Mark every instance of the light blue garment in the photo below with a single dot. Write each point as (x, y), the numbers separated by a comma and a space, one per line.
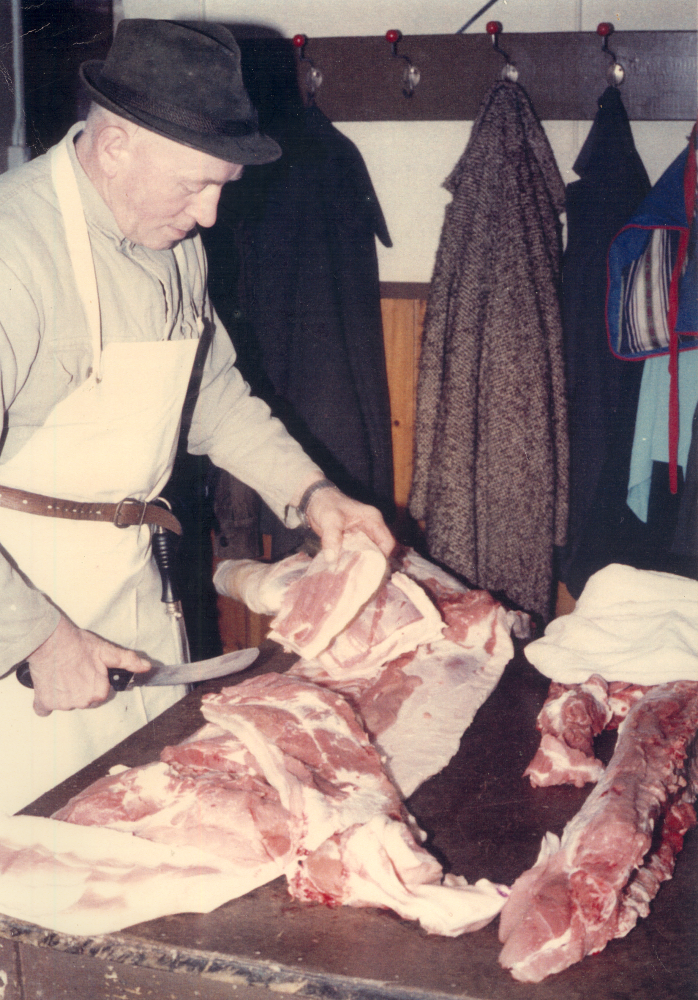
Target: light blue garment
(651, 441)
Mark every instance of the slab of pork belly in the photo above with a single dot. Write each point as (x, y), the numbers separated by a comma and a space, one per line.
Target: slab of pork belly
(397, 619)
(417, 706)
(592, 884)
(354, 843)
(207, 793)
(328, 596)
(311, 749)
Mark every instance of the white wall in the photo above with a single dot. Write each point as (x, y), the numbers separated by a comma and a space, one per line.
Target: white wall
(408, 161)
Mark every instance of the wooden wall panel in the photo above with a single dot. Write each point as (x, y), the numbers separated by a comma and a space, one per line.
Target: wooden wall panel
(402, 330)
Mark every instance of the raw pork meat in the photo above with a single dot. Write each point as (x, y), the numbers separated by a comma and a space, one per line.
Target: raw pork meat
(416, 663)
(379, 864)
(440, 585)
(328, 596)
(311, 749)
(230, 810)
(570, 718)
(592, 884)
(397, 619)
(355, 844)
(416, 708)
(283, 778)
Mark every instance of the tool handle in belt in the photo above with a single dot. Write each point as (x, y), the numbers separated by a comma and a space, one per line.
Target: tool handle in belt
(164, 557)
(124, 514)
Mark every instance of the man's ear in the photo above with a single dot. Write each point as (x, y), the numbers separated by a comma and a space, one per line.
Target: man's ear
(113, 147)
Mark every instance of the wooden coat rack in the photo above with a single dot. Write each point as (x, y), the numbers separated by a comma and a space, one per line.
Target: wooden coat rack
(562, 72)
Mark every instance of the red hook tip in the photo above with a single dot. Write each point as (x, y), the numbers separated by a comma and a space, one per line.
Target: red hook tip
(393, 36)
(604, 29)
(299, 41)
(494, 28)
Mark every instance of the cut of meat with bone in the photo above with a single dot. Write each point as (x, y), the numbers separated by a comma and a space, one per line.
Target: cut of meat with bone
(590, 886)
(573, 714)
(328, 596)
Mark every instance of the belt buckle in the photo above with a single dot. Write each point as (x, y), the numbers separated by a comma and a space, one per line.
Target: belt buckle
(129, 500)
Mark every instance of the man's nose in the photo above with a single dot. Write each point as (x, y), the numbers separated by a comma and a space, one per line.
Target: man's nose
(204, 208)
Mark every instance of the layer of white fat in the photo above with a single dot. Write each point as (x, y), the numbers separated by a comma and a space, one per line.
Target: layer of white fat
(421, 569)
(380, 864)
(431, 721)
(318, 816)
(519, 969)
(427, 627)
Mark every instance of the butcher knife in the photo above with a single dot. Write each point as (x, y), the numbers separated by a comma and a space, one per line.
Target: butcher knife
(178, 673)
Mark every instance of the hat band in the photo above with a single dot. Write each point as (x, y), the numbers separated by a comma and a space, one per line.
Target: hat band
(203, 124)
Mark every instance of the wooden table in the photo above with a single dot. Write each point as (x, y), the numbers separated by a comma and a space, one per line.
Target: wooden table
(482, 818)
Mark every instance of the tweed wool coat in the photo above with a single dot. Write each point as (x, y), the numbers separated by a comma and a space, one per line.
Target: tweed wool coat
(491, 446)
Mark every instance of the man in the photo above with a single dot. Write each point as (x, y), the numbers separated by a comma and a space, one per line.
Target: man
(103, 308)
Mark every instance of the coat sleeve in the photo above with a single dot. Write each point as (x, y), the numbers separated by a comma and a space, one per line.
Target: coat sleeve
(26, 617)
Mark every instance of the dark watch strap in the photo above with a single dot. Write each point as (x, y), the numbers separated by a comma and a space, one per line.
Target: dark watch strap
(302, 508)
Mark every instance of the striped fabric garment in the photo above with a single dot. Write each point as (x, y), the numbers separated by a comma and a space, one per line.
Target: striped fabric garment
(645, 295)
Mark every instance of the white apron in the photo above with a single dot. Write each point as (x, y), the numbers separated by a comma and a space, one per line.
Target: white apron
(114, 437)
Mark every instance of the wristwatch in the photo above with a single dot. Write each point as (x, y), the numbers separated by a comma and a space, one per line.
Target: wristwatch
(320, 484)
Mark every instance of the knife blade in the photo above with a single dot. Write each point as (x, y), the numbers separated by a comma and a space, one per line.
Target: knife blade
(174, 673)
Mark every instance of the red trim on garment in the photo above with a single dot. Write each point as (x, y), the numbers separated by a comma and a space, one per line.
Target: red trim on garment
(689, 193)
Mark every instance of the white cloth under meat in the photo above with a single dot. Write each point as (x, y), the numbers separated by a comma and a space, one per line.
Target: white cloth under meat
(629, 625)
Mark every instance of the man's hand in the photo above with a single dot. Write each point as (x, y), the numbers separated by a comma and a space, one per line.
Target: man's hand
(69, 669)
(331, 513)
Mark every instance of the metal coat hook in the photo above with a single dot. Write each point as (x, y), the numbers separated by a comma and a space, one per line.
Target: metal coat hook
(313, 76)
(615, 74)
(411, 76)
(509, 70)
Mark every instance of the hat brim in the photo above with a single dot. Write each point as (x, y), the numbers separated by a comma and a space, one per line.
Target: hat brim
(246, 150)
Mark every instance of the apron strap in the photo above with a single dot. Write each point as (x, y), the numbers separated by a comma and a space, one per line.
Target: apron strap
(79, 249)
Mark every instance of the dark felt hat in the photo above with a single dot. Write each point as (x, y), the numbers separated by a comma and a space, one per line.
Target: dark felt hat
(181, 79)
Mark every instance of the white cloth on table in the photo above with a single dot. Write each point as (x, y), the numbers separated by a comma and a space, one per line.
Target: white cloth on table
(630, 625)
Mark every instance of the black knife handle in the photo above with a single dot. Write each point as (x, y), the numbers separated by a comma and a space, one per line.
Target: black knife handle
(119, 679)
(164, 557)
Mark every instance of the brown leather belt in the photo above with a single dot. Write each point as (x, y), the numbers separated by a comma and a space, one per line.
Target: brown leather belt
(125, 513)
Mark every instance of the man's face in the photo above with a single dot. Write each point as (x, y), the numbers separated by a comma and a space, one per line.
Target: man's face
(163, 189)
